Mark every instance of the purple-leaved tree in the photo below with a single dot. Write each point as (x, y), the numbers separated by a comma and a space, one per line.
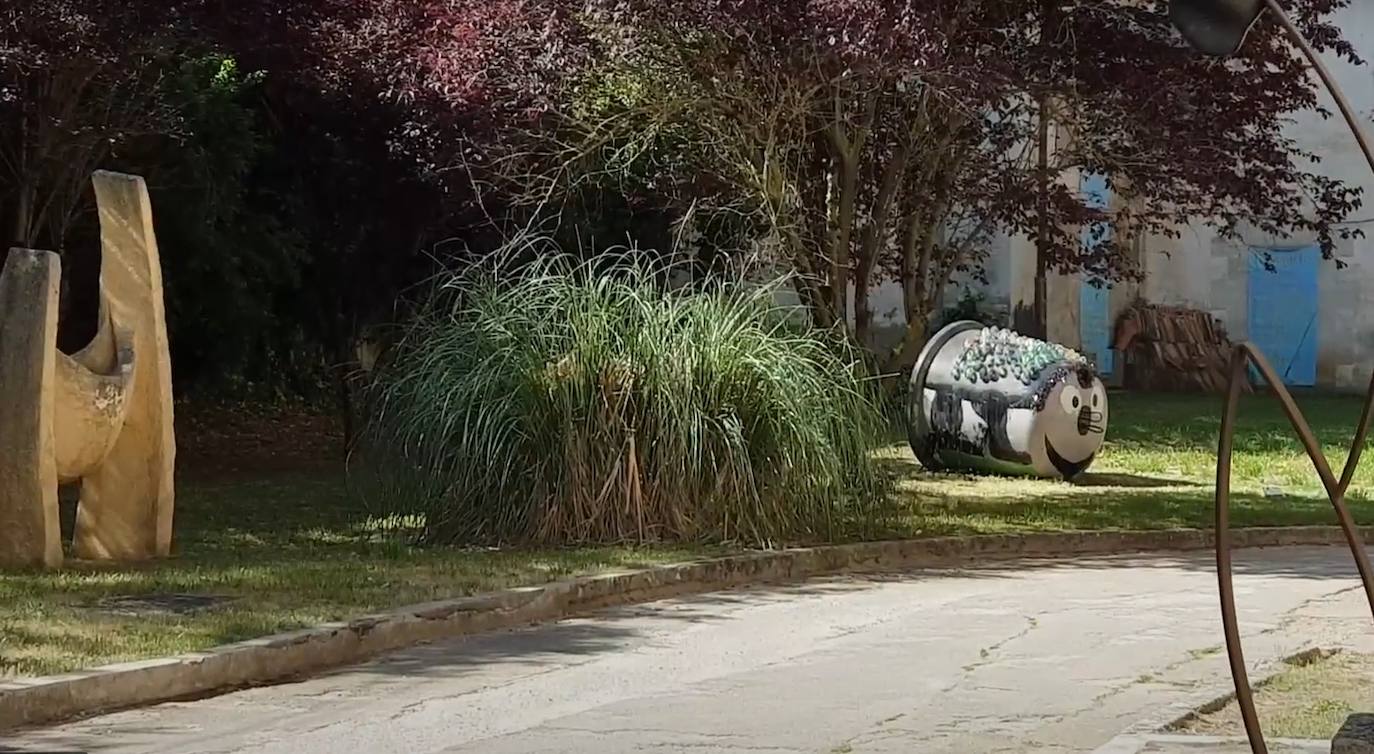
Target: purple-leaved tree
(853, 140)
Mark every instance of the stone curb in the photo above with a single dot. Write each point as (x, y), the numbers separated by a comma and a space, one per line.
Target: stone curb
(1210, 745)
(35, 701)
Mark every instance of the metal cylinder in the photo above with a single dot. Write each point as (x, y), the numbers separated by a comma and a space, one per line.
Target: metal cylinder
(989, 400)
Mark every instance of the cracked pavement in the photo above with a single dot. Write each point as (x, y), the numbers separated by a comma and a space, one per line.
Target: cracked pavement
(1045, 656)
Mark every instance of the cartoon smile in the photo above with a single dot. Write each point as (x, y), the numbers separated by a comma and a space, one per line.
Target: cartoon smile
(1068, 469)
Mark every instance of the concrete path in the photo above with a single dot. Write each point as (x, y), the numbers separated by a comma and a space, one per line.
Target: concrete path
(1031, 656)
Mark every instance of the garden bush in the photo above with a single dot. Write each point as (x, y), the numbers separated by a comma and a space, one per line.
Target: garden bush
(577, 402)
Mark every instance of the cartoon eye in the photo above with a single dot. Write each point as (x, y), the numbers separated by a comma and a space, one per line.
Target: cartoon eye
(1071, 399)
(1099, 398)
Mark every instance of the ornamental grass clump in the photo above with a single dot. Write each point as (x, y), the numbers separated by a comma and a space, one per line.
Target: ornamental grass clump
(558, 403)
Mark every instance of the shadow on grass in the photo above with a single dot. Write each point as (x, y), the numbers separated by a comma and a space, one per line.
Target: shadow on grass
(1063, 507)
(1131, 481)
(903, 466)
(291, 550)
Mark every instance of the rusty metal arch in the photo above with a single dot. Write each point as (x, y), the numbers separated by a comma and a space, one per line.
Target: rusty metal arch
(1242, 356)
(1245, 354)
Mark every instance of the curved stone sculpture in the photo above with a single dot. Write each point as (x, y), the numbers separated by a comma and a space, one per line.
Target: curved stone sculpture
(986, 399)
(101, 417)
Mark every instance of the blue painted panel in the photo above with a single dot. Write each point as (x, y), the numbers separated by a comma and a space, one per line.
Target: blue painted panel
(1283, 312)
(1095, 325)
(1096, 194)
(1094, 301)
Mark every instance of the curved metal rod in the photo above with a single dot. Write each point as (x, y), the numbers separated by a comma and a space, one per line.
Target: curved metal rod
(1335, 488)
(1324, 73)
(1352, 121)
(1241, 356)
(1352, 460)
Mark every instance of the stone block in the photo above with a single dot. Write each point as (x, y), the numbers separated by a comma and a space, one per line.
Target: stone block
(30, 534)
(102, 417)
(126, 499)
(1356, 736)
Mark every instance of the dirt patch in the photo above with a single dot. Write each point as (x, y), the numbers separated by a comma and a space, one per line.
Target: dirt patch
(217, 442)
(138, 605)
(1307, 701)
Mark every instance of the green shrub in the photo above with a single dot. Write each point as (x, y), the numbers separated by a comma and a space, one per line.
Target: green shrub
(558, 403)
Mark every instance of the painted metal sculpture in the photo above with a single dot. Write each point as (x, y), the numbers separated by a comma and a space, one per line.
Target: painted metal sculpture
(1219, 27)
(989, 400)
(100, 418)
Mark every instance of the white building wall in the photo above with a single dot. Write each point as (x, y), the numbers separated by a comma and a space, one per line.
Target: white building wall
(1203, 271)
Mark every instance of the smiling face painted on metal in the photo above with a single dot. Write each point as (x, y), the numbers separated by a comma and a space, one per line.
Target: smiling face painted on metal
(1072, 424)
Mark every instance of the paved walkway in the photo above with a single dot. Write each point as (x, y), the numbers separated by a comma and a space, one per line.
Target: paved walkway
(1031, 656)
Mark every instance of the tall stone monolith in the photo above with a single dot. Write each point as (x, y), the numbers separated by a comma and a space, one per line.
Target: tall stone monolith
(30, 534)
(100, 418)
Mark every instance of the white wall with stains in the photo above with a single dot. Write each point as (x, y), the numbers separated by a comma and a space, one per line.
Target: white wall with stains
(1203, 271)
(1206, 272)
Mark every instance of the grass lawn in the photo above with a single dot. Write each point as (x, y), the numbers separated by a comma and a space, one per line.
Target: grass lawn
(1156, 471)
(290, 550)
(264, 519)
(1310, 700)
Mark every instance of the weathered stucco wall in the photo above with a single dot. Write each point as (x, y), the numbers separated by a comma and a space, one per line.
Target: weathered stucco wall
(1203, 271)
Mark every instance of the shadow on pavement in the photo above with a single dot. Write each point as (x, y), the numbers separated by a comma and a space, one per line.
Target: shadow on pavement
(620, 628)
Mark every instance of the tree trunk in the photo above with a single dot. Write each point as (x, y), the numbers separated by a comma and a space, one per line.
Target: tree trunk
(26, 193)
(1042, 235)
(818, 303)
(863, 304)
(922, 282)
(903, 357)
(871, 246)
(845, 200)
(912, 271)
(848, 152)
(23, 216)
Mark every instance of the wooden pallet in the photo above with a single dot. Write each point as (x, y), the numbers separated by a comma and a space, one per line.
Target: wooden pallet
(1173, 349)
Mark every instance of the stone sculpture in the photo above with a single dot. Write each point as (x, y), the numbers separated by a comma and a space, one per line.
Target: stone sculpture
(990, 400)
(101, 418)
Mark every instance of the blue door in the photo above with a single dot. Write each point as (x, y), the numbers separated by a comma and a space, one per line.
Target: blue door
(1095, 325)
(1094, 296)
(1283, 311)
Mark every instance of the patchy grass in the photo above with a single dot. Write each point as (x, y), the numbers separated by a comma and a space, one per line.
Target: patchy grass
(1177, 436)
(1157, 471)
(1308, 701)
(288, 551)
(291, 548)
